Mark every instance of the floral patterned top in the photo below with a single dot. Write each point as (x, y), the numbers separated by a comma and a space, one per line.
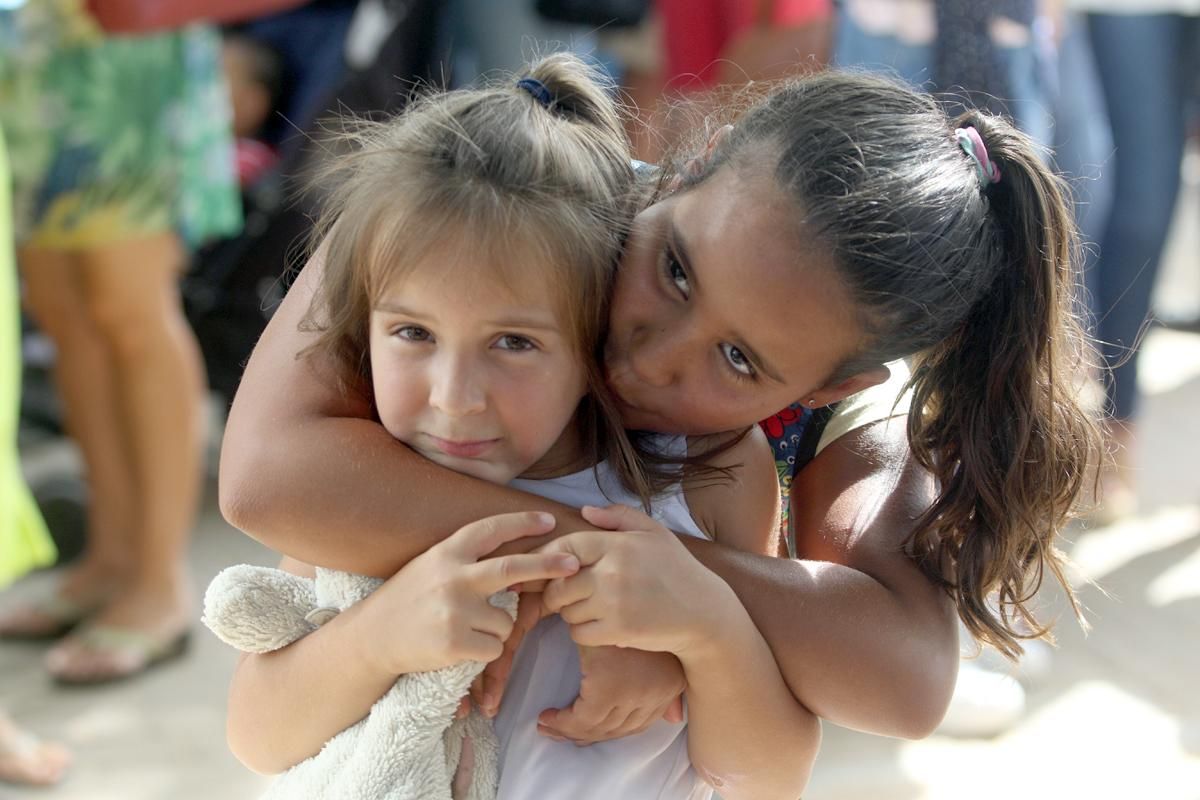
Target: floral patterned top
(798, 433)
(794, 434)
(113, 137)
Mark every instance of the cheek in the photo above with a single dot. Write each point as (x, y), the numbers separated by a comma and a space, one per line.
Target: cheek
(399, 395)
(543, 405)
(719, 409)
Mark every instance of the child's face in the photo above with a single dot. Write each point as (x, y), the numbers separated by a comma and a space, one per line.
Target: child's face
(475, 374)
(249, 99)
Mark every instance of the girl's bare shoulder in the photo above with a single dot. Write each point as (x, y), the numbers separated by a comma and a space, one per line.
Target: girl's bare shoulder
(739, 508)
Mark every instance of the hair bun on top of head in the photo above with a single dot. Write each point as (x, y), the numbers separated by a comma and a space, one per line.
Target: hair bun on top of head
(537, 90)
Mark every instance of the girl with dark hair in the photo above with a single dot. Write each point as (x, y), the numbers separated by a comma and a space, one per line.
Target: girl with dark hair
(469, 246)
(845, 222)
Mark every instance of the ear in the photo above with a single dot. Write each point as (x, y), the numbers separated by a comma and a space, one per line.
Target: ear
(833, 392)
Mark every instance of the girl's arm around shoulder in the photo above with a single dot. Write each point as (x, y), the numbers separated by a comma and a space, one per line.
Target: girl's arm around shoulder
(741, 713)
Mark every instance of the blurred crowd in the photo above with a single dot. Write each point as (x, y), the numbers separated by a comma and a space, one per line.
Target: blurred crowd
(205, 116)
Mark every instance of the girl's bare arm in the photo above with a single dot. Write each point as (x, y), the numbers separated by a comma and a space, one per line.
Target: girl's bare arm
(741, 712)
(433, 613)
(862, 637)
(267, 729)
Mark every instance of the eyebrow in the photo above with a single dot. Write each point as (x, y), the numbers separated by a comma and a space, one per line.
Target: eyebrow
(514, 321)
(676, 243)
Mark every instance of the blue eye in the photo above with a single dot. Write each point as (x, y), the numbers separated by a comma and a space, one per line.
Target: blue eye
(511, 341)
(414, 333)
(737, 360)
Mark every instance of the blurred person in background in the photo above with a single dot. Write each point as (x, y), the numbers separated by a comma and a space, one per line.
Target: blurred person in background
(24, 541)
(121, 153)
(734, 41)
(1146, 58)
(985, 55)
(713, 45)
(308, 42)
(482, 37)
(254, 72)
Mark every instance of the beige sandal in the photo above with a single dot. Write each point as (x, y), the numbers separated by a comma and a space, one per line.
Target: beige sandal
(122, 653)
(60, 614)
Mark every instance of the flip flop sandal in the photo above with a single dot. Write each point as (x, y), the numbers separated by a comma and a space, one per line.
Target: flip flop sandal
(134, 651)
(21, 746)
(64, 616)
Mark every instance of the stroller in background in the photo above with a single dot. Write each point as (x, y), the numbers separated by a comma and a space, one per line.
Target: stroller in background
(234, 285)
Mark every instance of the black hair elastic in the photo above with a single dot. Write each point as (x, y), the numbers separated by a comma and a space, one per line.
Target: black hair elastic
(537, 89)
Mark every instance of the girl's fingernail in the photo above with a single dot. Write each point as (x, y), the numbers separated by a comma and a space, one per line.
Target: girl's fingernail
(544, 518)
(568, 562)
(489, 701)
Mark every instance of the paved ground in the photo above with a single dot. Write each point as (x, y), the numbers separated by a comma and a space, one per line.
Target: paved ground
(1115, 718)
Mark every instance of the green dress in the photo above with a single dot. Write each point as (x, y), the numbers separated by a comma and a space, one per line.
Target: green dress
(113, 138)
(24, 543)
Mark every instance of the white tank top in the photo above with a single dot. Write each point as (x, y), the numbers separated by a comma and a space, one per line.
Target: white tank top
(651, 765)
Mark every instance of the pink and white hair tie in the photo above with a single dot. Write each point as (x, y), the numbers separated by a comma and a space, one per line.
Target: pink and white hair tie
(972, 144)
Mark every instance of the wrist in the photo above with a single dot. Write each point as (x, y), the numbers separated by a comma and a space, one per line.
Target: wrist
(724, 621)
(364, 645)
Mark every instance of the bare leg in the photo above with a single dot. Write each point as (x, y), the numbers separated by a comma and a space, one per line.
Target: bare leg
(133, 293)
(83, 374)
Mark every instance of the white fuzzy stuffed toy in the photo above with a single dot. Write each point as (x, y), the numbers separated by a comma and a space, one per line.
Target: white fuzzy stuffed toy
(410, 745)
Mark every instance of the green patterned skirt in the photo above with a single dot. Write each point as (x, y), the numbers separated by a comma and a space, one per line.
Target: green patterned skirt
(113, 138)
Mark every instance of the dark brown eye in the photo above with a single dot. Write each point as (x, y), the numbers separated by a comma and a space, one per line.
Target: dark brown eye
(676, 274)
(737, 360)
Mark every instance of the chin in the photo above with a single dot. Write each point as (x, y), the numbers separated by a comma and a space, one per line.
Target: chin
(493, 473)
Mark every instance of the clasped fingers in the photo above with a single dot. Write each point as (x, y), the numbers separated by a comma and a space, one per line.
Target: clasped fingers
(568, 591)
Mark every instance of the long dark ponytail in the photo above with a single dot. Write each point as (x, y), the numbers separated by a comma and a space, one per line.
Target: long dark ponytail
(997, 418)
(972, 279)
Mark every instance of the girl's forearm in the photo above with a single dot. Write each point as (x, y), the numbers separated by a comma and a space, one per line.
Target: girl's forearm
(854, 651)
(742, 716)
(342, 493)
(284, 706)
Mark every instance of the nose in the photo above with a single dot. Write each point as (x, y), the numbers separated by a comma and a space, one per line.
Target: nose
(655, 357)
(457, 386)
